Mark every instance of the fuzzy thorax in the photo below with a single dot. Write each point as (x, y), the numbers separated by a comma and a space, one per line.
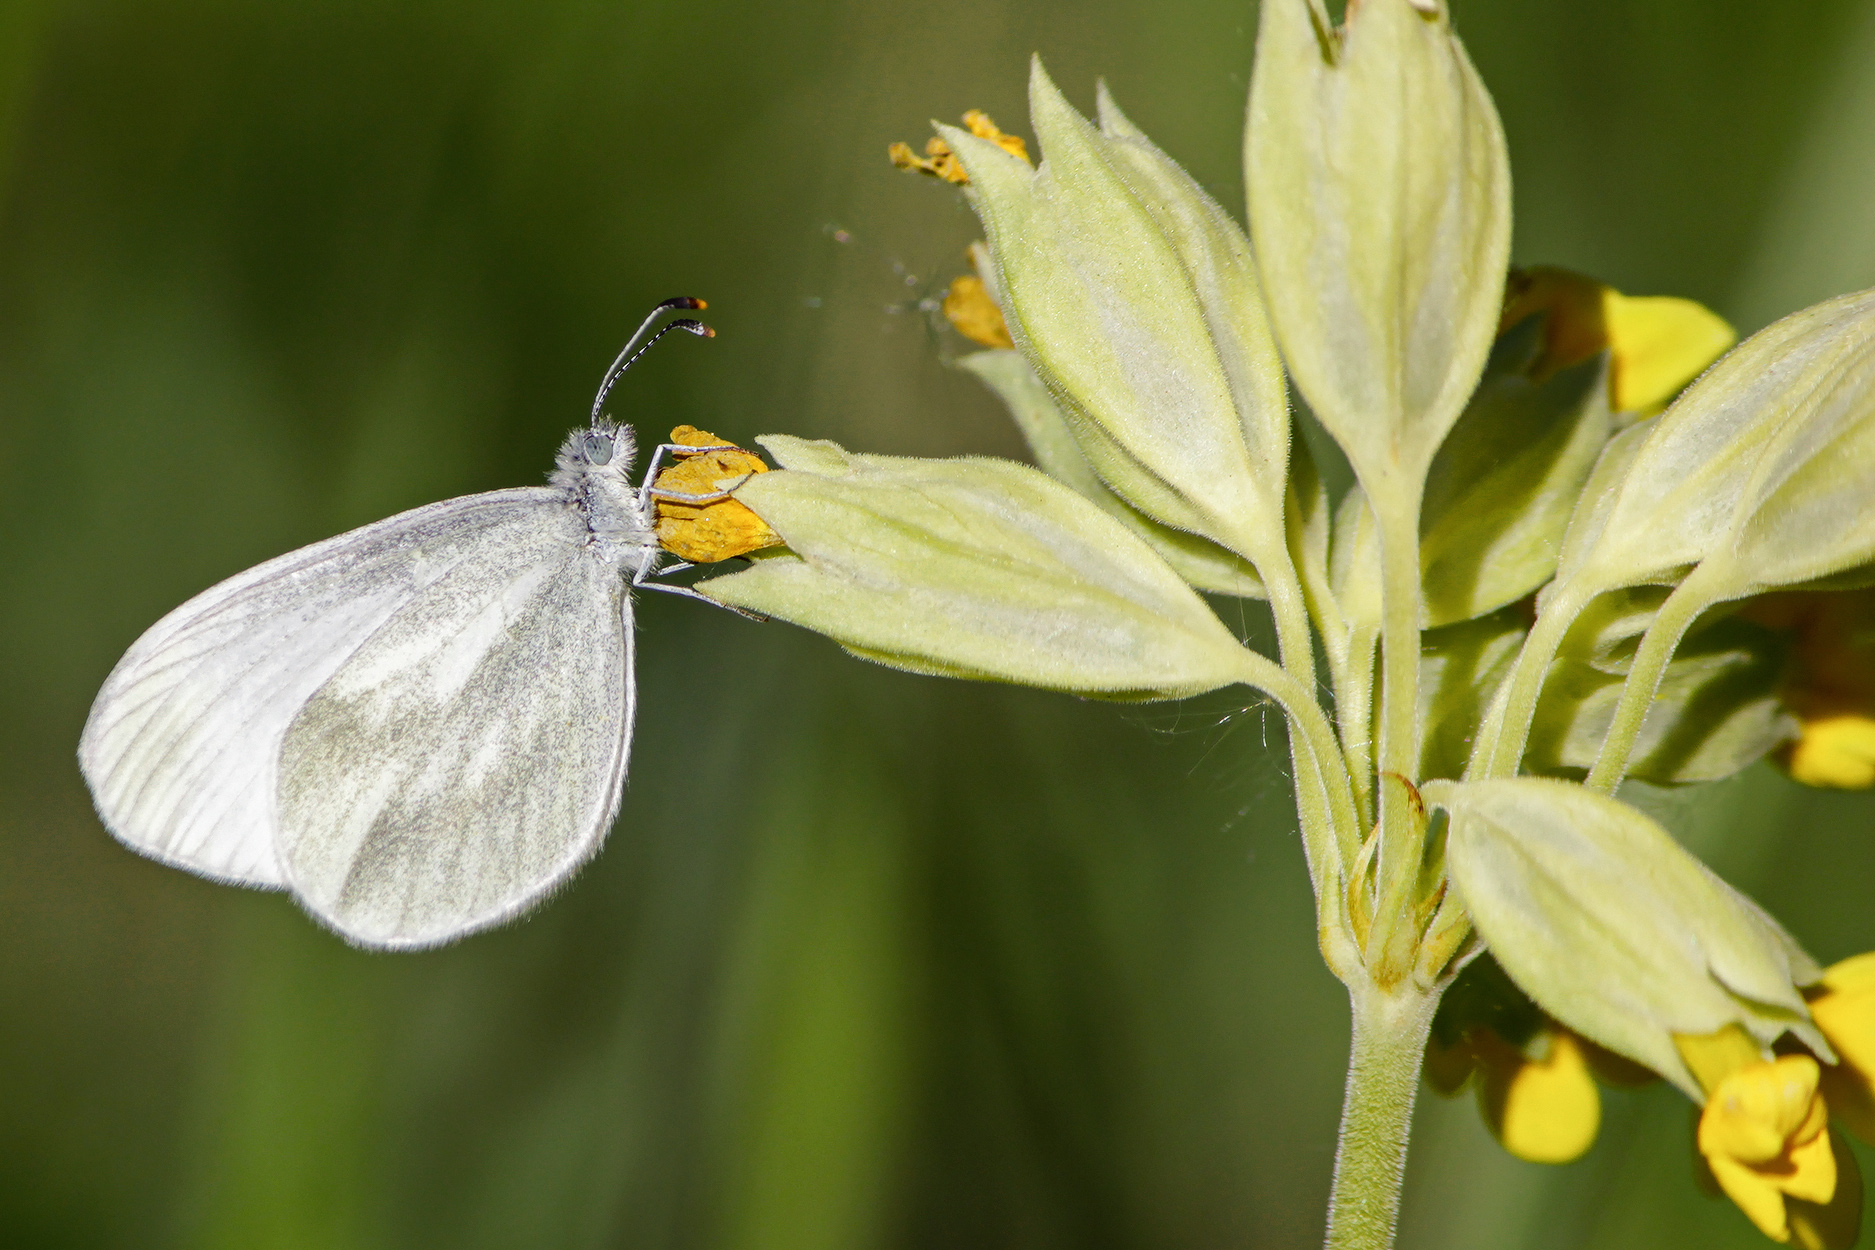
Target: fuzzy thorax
(594, 469)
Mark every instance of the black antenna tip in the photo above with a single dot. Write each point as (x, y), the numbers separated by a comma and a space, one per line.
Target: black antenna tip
(695, 327)
(684, 301)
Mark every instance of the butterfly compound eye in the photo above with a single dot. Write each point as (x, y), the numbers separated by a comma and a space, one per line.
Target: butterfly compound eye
(598, 449)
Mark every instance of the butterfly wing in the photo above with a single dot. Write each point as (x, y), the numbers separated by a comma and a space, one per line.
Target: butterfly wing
(182, 745)
(469, 756)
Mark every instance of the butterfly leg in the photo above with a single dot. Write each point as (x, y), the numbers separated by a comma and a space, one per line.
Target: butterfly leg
(642, 581)
(688, 593)
(656, 462)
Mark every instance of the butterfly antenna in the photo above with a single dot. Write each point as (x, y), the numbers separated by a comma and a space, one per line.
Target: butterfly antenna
(631, 351)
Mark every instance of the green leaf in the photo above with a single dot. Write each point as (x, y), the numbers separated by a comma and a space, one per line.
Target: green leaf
(1379, 193)
(1503, 486)
(1198, 560)
(1716, 711)
(1134, 298)
(974, 568)
(1612, 927)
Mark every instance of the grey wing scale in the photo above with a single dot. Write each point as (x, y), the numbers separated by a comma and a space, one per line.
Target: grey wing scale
(182, 745)
(469, 757)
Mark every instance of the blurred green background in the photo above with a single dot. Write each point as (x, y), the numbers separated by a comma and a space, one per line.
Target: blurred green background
(870, 960)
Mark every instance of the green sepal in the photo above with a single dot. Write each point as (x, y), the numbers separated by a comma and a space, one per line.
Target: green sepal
(1505, 482)
(974, 568)
(1198, 560)
(1615, 929)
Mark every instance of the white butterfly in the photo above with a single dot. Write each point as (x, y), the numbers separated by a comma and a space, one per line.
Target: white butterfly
(420, 728)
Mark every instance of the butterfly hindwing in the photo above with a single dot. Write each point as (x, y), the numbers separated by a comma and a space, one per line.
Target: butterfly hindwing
(469, 756)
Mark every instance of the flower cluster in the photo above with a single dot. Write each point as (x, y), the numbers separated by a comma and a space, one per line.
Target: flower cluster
(1546, 564)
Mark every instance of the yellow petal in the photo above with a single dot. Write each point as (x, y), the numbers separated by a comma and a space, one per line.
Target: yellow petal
(1715, 1056)
(1836, 1224)
(710, 526)
(1755, 1194)
(1756, 1114)
(1835, 752)
(1854, 975)
(1764, 1134)
(1844, 1009)
(1813, 1170)
(1659, 344)
(1656, 343)
(1542, 1110)
(969, 308)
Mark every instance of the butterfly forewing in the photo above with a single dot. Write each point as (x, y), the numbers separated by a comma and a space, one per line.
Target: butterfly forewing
(469, 756)
(182, 744)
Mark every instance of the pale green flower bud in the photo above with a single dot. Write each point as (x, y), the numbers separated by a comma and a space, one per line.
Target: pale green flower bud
(1134, 297)
(1379, 194)
(1613, 927)
(1198, 560)
(1760, 471)
(974, 568)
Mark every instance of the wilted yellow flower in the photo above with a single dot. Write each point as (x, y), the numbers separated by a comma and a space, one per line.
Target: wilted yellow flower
(971, 311)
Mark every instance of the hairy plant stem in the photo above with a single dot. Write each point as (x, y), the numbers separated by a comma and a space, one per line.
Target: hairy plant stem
(1506, 728)
(1388, 1044)
(1296, 647)
(1324, 802)
(1401, 834)
(1354, 711)
(1658, 644)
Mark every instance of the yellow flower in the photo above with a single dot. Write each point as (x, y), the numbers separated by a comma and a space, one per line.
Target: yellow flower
(1545, 1110)
(971, 311)
(1830, 688)
(1764, 1135)
(1540, 1100)
(697, 520)
(1536, 1081)
(1843, 1006)
(1657, 344)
